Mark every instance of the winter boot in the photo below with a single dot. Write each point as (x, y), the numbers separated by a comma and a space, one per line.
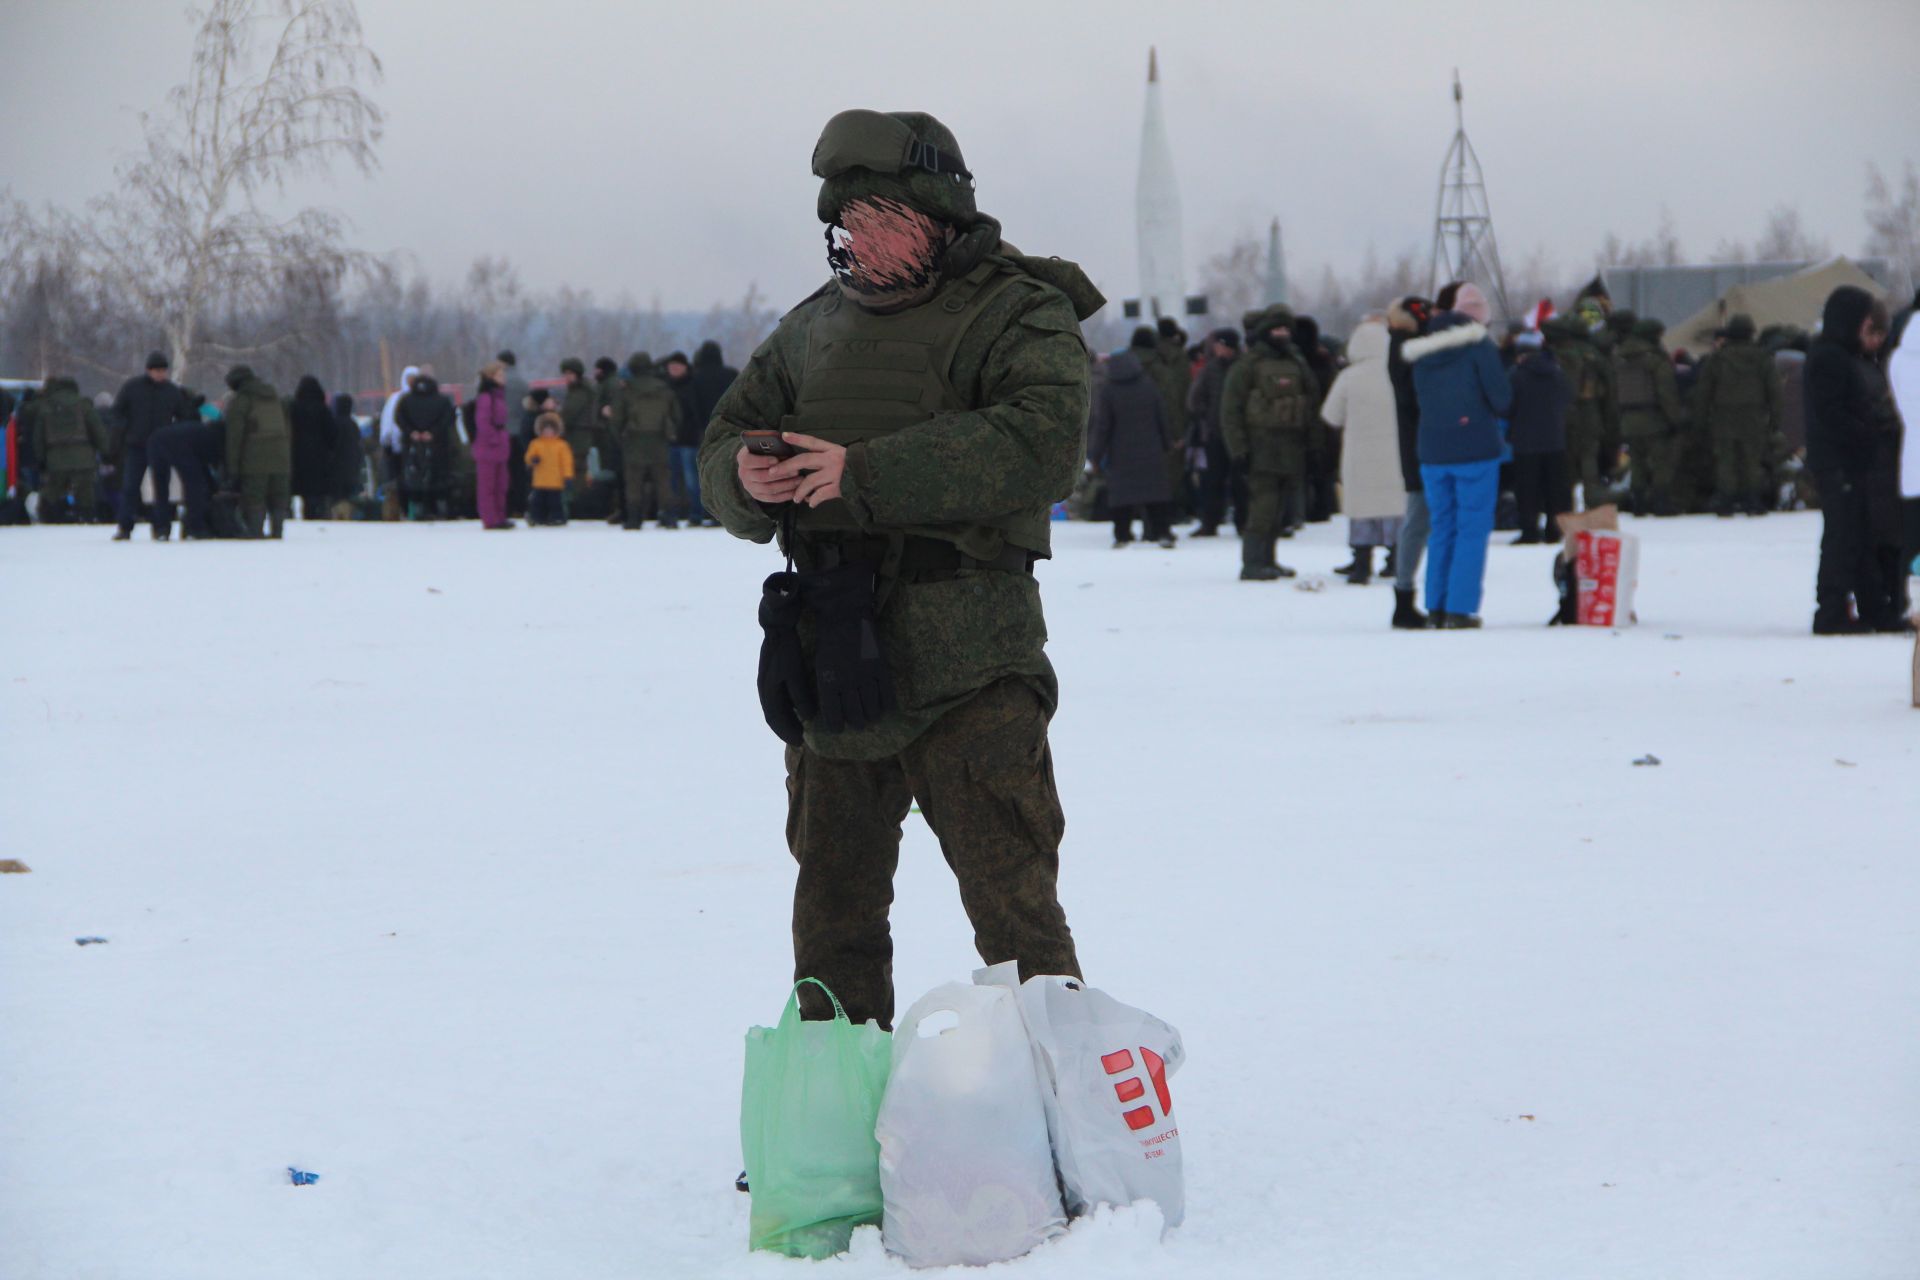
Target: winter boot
(1406, 617)
(1391, 569)
(1459, 622)
(1351, 565)
(1360, 572)
(1259, 573)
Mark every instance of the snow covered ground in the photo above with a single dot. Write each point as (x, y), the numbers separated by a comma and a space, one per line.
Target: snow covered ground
(449, 866)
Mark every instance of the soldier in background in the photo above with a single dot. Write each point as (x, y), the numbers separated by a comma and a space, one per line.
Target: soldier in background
(580, 421)
(1737, 399)
(935, 390)
(1590, 418)
(609, 391)
(1652, 414)
(1203, 434)
(65, 438)
(259, 464)
(1268, 411)
(647, 416)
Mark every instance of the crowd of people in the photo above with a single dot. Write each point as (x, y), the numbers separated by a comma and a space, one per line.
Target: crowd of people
(1423, 429)
(620, 447)
(1429, 433)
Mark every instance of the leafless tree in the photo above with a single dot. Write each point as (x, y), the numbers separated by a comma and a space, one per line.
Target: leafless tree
(273, 93)
(1893, 221)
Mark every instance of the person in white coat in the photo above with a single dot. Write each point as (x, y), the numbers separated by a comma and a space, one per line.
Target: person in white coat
(390, 444)
(1903, 374)
(1371, 494)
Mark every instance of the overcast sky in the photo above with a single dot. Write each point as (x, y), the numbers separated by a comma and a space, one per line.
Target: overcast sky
(647, 150)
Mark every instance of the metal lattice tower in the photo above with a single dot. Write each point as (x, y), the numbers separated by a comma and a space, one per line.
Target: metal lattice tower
(1463, 243)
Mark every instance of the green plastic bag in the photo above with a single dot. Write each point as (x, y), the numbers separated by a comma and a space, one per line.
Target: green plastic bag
(808, 1104)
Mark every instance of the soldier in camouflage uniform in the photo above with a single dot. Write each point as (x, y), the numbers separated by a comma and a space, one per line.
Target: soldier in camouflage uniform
(65, 439)
(609, 394)
(1591, 415)
(936, 389)
(648, 415)
(580, 420)
(1738, 400)
(1652, 415)
(259, 464)
(1269, 421)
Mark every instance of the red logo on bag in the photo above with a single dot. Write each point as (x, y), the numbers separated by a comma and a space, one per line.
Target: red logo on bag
(1129, 1089)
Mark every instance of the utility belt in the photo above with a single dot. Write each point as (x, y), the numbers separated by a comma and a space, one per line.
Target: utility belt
(903, 558)
(840, 584)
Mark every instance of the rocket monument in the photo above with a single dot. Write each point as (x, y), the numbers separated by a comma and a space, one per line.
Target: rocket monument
(1163, 277)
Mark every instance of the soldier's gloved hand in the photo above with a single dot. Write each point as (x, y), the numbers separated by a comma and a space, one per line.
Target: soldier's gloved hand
(785, 684)
(850, 673)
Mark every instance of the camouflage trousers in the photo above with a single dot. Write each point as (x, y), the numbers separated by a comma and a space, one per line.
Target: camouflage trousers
(56, 484)
(983, 775)
(264, 501)
(649, 485)
(1656, 463)
(1266, 494)
(1584, 437)
(1739, 467)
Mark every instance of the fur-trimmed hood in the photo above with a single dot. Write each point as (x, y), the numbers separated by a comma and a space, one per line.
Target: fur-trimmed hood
(1450, 332)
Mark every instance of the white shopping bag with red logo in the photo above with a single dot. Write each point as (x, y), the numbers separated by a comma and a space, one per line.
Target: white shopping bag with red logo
(1104, 1068)
(1607, 567)
(966, 1173)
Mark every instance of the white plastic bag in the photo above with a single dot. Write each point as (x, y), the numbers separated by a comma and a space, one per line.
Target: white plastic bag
(966, 1172)
(1103, 1068)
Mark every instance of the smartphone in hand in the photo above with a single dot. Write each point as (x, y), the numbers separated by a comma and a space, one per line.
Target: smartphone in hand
(767, 444)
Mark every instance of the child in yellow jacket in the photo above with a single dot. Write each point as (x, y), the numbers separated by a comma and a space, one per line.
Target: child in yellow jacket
(550, 459)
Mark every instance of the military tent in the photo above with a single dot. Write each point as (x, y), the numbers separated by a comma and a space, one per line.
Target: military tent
(1794, 299)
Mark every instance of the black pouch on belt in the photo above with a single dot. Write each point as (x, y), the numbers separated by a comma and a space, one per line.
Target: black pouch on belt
(850, 672)
(785, 683)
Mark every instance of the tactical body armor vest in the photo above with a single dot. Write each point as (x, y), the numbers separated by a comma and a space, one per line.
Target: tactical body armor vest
(1634, 384)
(869, 375)
(648, 407)
(1740, 382)
(1277, 400)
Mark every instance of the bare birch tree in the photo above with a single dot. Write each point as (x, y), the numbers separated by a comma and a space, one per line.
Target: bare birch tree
(1893, 218)
(273, 94)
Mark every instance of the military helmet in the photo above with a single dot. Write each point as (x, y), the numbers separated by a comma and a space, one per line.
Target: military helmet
(238, 375)
(573, 365)
(1622, 321)
(639, 362)
(1740, 327)
(1650, 329)
(908, 156)
(1276, 316)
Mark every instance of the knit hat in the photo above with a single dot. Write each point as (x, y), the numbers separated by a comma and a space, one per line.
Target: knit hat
(157, 360)
(573, 365)
(1469, 301)
(1143, 339)
(605, 365)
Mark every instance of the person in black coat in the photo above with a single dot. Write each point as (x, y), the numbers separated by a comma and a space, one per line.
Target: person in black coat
(348, 460)
(1313, 495)
(1537, 433)
(313, 432)
(1127, 442)
(1407, 319)
(1853, 443)
(145, 405)
(684, 449)
(425, 417)
(191, 448)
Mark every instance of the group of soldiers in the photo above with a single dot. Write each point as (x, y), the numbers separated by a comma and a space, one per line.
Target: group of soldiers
(154, 430)
(1704, 435)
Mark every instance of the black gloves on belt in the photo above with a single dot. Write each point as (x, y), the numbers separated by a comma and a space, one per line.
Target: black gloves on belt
(786, 686)
(851, 675)
(849, 685)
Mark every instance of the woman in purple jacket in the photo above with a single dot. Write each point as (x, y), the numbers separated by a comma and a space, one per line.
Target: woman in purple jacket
(492, 446)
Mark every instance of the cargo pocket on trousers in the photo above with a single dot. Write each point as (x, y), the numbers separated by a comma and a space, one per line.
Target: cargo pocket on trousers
(1011, 766)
